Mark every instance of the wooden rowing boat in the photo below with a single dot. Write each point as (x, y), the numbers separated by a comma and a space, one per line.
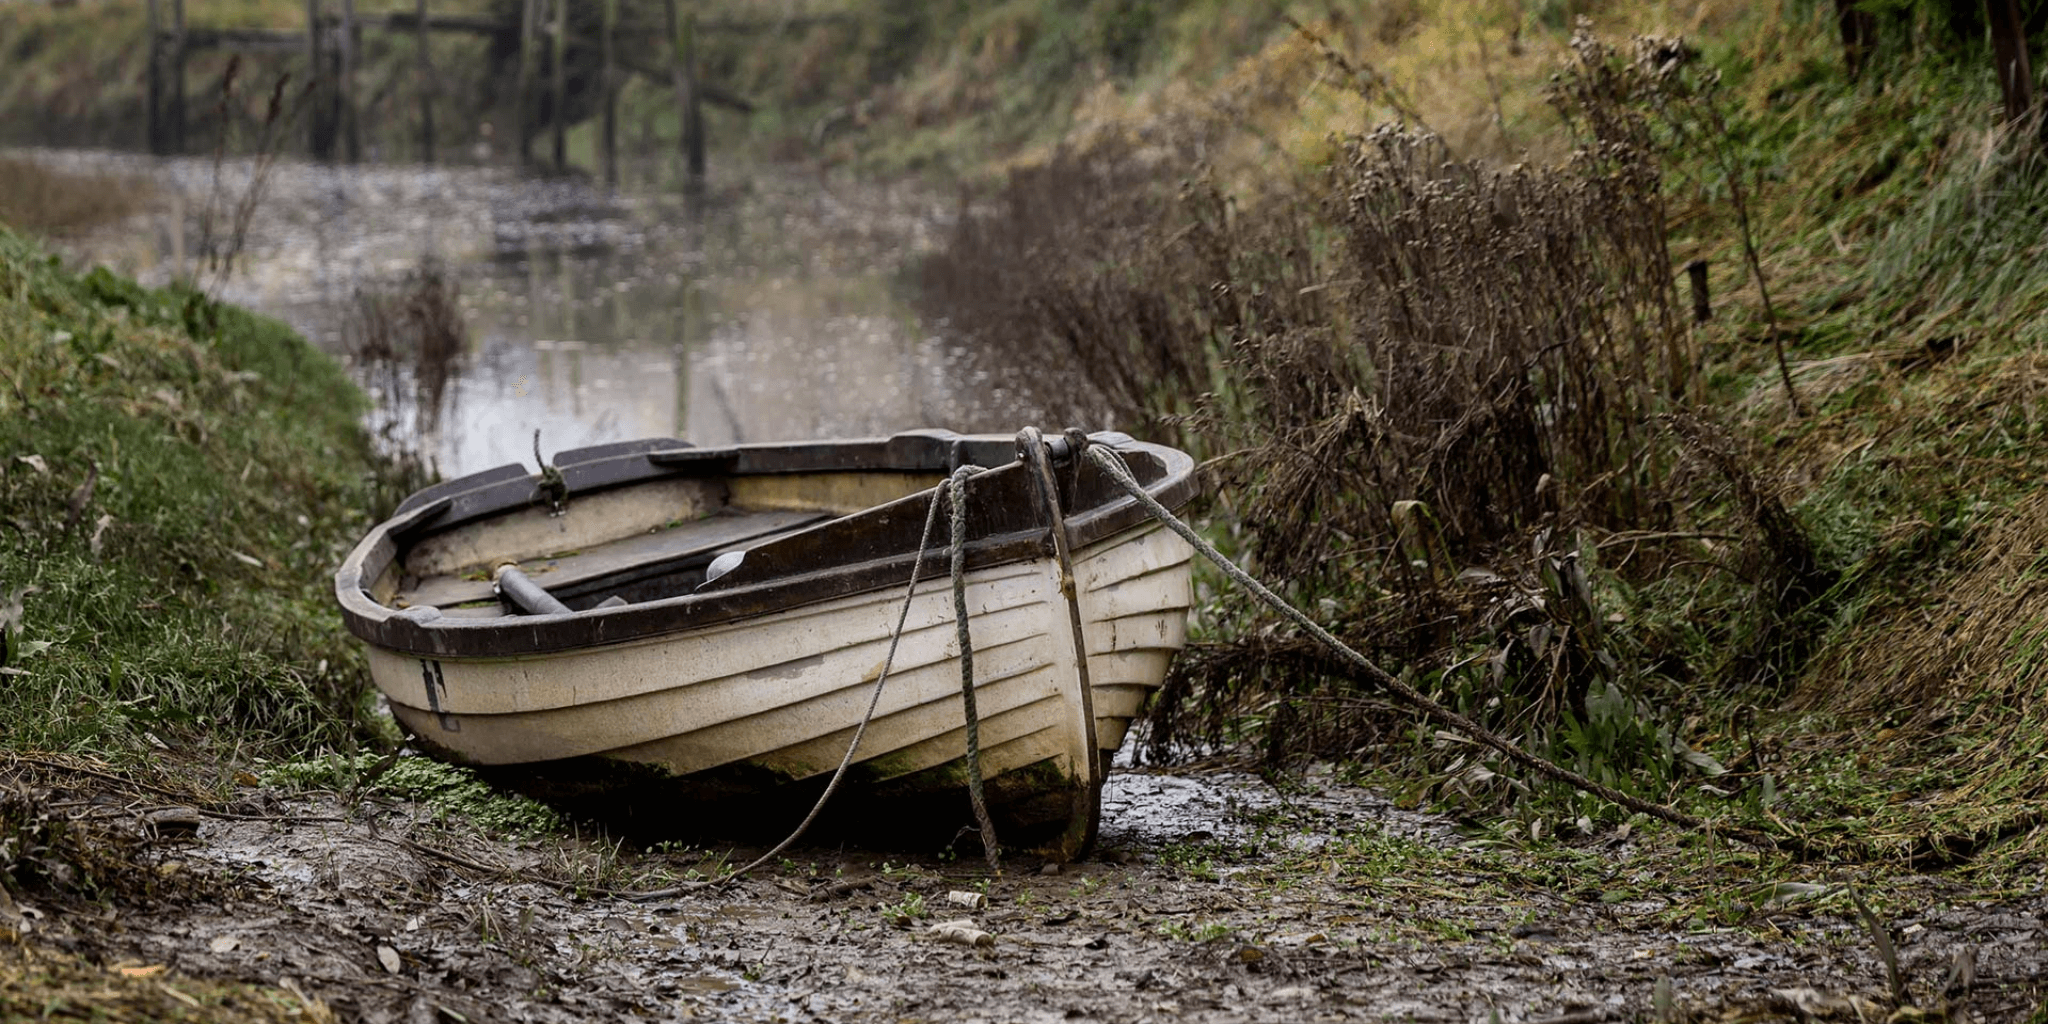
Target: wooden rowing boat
(702, 628)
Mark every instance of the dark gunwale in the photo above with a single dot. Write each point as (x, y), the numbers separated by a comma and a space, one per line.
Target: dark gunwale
(854, 554)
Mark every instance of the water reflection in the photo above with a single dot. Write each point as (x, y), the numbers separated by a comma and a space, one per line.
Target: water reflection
(771, 315)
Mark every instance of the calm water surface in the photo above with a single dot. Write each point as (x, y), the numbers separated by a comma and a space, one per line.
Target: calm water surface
(771, 314)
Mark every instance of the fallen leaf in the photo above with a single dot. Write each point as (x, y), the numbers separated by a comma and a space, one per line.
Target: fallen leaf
(34, 462)
(129, 970)
(223, 944)
(246, 559)
(180, 996)
(390, 959)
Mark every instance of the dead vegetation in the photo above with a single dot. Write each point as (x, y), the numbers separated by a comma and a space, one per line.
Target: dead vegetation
(1432, 389)
(45, 200)
(407, 341)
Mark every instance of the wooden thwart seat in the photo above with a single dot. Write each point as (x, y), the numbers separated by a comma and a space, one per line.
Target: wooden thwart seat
(621, 561)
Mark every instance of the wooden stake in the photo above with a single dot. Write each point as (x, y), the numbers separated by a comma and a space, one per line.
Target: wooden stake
(683, 69)
(345, 94)
(156, 80)
(1702, 307)
(2009, 48)
(319, 144)
(608, 83)
(426, 85)
(529, 16)
(177, 76)
(693, 109)
(558, 108)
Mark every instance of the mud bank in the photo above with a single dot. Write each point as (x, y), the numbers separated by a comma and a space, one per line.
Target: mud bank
(1215, 898)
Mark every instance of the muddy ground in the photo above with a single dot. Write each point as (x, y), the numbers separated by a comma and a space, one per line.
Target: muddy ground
(1214, 897)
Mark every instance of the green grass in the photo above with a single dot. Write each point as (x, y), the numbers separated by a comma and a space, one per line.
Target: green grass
(180, 479)
(448, 793)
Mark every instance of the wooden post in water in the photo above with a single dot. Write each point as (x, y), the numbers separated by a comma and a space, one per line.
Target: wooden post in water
(156, 80)
(608, 85)
(426, 85)
(345, 94)
(177, 76)
(558, 94)
(319, 140)
(683, 64)
(529, 16)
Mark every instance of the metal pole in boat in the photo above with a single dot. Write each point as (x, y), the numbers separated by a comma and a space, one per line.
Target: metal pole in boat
(524, 592)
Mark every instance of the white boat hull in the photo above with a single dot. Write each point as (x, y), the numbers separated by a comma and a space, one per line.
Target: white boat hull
(686, 710)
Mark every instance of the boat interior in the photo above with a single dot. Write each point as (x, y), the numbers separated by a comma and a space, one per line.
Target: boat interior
(627, 545)
(649, 520)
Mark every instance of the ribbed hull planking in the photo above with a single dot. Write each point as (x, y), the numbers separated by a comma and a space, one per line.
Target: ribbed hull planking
(784, 693)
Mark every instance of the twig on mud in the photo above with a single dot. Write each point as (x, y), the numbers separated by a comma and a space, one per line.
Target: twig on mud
(95, 773)
(283, 819)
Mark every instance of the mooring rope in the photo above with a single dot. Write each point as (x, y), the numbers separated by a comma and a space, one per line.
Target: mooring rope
(1113, 465)
(989, 846)
(924, 542)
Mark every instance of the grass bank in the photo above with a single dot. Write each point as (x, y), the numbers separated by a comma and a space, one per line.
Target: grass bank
(180, 479)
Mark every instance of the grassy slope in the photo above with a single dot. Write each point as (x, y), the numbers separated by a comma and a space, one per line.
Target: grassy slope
(180, 480)
(1906, 232)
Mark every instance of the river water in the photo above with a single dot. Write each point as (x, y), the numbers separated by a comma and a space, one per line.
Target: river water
(772, 312)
